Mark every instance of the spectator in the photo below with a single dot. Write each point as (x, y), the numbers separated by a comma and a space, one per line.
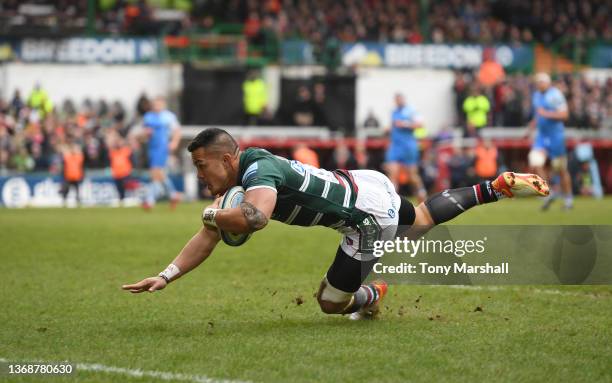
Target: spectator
(461, 166)
(255, 98)
(303, 114)
(120, 162)
(22, 161)
(73, 160)
(371, 121)
(16, 103)
(40, 160)
(39, 100)
(6, 147)
(428, 169)
(320, 108)
(68, 108)
(491, 72)
(94, 151)
(511, 108)
(476, 107)
(460, 89)
(118, 112)
(305, 155)
(343, 158)
(143, 105)
(252, 26)
(485, 160)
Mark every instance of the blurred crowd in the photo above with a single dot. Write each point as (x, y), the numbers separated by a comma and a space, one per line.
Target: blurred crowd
(589, 101)
(60, 18)
(518, 21)
(34, 132)
(412, 21)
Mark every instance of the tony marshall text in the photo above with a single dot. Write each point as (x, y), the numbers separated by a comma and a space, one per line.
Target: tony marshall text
(455, 268)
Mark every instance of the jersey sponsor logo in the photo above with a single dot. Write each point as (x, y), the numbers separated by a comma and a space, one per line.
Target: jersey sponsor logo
(391, 213)
(298, 167)
(369, 232)
(390, 191)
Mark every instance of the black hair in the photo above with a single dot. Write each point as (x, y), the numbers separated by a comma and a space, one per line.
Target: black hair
(213, 136)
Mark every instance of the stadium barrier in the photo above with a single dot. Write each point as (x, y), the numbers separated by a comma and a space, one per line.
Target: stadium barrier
(96, 189)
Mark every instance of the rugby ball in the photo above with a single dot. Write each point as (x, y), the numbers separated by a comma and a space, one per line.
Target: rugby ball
(232, 198)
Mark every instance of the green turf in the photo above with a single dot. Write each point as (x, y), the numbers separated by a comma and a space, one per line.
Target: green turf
(236, 316)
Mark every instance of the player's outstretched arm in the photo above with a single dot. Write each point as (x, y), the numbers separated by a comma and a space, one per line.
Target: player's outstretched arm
(199, 247)
(252, 215)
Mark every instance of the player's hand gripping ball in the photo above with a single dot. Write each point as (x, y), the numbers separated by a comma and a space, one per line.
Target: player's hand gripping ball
(232, 198)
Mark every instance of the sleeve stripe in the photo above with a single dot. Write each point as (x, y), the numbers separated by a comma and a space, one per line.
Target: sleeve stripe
(262, 186)
(247, 175)
(249, 171)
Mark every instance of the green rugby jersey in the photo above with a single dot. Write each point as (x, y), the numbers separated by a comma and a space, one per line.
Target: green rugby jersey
(306, 196)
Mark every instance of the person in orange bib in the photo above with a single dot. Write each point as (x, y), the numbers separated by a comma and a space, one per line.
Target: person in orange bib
(73, 159)
(306, 155)
(120, 154)
(486, 159)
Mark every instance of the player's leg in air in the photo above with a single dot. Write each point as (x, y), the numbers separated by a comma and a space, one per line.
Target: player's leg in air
(341, 290)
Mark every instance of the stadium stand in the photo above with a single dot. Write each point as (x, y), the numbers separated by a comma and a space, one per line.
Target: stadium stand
(410, 21)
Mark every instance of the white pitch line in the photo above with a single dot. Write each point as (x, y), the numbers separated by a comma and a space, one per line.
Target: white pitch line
(138, 373)
(526, 290)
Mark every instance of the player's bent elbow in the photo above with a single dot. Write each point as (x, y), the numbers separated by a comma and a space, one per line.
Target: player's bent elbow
(249, 227)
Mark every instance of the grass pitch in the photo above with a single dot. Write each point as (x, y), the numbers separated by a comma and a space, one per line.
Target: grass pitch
(249, 313)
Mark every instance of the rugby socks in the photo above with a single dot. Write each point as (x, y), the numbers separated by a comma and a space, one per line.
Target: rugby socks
(157, 189)
(448, 204)
(365, 296)
(154, 190)
(569, 201)
(169, 186)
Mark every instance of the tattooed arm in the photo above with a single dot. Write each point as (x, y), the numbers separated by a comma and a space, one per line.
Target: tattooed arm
(252, 215)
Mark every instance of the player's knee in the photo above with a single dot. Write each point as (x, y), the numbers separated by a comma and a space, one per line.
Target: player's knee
(537, 158)
(332, 307)
(559, 164)
(331, 300)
